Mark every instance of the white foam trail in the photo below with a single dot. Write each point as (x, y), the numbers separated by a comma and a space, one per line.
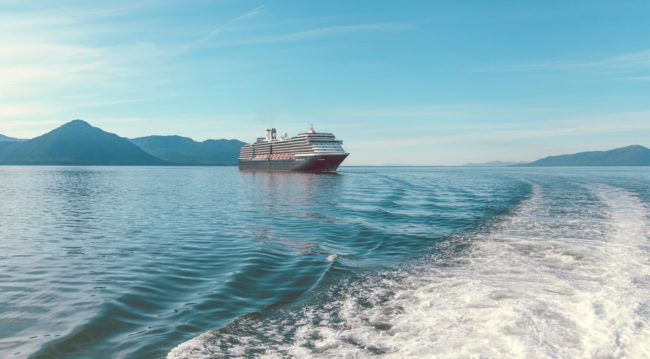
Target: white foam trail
(567, 276)
(623, 306)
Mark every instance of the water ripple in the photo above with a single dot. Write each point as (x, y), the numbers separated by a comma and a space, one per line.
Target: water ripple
(111, 262)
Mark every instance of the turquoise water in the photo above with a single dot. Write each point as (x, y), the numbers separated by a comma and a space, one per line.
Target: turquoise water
(210, 262)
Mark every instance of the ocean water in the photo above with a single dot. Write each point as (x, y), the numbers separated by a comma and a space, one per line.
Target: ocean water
(210, 262)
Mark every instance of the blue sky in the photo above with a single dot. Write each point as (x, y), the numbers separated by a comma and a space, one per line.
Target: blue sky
(401, 82)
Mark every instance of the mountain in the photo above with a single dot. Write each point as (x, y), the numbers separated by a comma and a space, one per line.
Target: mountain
(493, 164)
(5, 145)
(185, 151)
(77, 143)
(626, 156)
(4, 138)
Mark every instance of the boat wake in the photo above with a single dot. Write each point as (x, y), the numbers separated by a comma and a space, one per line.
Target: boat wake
(566, 274)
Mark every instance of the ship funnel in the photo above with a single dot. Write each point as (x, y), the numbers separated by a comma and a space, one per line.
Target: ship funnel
(268, 135)
(273, 134)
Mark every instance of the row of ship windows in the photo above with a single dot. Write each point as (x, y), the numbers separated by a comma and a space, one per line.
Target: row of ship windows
(296, 142)
(328, 147)
(278, 149)
(326, 144)
(296, 152)
(318, 147)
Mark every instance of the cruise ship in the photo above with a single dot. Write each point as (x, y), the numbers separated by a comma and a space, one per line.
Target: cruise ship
(308, 152)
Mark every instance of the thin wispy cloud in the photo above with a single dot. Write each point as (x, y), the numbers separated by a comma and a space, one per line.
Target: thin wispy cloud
(52, 49)
(309, 34)
(629, 62)
(636, 78)
(566, 126)
(216, 31)
(618, 64)
(316, 33)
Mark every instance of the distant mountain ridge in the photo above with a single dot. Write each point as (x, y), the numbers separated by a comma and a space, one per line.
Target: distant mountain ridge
(634, 155)
(79, 143)
(76, 143)
(185, 151)
(4, 138)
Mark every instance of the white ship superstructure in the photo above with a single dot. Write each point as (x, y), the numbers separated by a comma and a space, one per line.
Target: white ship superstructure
(309, 151)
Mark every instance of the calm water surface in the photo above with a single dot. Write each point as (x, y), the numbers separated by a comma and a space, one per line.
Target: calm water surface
(210, 262)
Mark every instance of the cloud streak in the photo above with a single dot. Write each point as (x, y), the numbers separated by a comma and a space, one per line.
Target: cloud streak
(316, 33)
(618, 64)
(310, 34)
(568, 126)
(215, 32)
